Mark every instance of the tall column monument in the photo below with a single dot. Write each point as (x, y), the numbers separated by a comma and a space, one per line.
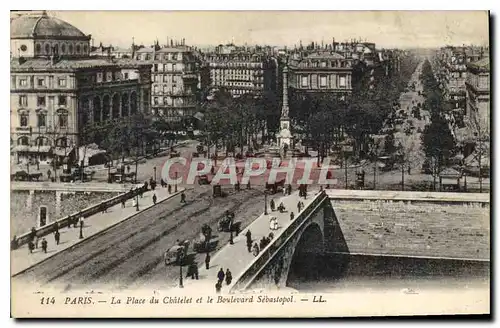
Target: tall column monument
(285, 135)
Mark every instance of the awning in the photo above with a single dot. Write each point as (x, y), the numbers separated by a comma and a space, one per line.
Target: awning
(62, 151)
(450, 173)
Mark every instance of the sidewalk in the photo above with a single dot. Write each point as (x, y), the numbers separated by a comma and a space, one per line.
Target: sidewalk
(22, 260)
(236, 257)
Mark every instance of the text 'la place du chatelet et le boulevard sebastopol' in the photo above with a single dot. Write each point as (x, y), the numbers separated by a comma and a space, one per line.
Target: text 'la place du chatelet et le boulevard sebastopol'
(219, 299)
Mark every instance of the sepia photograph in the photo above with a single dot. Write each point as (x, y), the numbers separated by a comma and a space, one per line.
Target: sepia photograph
(249, 164)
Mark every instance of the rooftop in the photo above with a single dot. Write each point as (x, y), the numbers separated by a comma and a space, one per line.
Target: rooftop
(71, 64)
(482, 64)
(43, 26)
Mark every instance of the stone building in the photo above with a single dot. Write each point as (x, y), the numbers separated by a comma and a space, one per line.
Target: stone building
(57, 88)
(241, 72)
(321, 71)
(175, 79)
(478, 95)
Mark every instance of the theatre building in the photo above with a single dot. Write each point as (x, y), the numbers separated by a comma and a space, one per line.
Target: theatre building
(57, 89)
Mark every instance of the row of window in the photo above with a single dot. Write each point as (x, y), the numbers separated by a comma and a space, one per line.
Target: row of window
(64, 50)
(41, 82)
(323, 81)
(333, 63)
(168, 101)
(172, 67)
(229, 64)
(62, 119)
(167, 78)
(43, 141)
(167, 56)
(41, 101)
(235, 71)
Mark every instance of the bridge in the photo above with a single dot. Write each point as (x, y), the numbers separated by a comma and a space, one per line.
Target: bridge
(439, 226)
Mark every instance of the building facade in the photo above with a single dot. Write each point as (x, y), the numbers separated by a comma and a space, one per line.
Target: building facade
(242, 72)
(55, 94)
(478, 95)
(175, 79)
(322, 71)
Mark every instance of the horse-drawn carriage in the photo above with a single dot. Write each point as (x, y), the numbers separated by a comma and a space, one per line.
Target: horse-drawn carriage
(226, 223)
(176, 253)
(276, 186)
(204, 243)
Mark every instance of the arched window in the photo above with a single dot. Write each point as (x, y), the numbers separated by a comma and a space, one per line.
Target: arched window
(42, 141)
(106, 107)
(133, 103)
(56, 49)
(62, 118)
(41, 119)
(24, 141)
(78, 49)
(47, 49)
(23, 119)
(62, 142)
(63, 49)
(70, 49)
(97, 109)
(124, 104)
(116, 106)
(85, 49)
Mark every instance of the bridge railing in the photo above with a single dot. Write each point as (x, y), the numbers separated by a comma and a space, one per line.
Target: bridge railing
(256, 266)
(68, 220)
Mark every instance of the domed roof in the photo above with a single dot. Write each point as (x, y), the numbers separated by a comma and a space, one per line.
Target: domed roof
(43, 26)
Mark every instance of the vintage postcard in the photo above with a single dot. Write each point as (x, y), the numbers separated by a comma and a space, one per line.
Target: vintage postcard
(254, 164)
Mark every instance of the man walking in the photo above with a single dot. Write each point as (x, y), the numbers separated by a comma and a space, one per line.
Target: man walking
(154, 199)
(207, 261)
(183, 198)
(44, 245)
(221, 275)
(57, 237)
(229, 277)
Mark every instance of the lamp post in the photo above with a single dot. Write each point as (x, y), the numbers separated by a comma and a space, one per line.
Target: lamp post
(265, 202)
(81, 231)
(154, 172)
(175, 182)
(180, 258)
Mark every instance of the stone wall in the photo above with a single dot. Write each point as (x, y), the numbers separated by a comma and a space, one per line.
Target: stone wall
(24, 206)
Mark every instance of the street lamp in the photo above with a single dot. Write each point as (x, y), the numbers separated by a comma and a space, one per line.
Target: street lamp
(154, 170)
(81, 231)
(180, 258)
(265, 202)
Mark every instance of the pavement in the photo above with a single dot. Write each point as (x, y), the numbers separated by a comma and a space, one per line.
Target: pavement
(236, 257)
(21, 259)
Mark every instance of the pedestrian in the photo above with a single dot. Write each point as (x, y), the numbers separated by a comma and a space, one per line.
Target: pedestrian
(103, 208)
(284, 191)
(56, 226)
(57, 237)
(298, 206)
(49, 174)
(44, 245)
(249, 245)
(75, 222)
(229, 277)
(123, 202)
(221, 275)
(33, 234)
(292, 216)
(207, 261)
(183, 198)
(128, 168)
(154, 199)
(134, 203)
(195, 268)
(169, 189)
(262, 243)
(255, 249)
(31, 246)
(218, 287)
(272, 205)
(37, 239)
(289, 191)
(81, 222)
(145, 186)
(248, 235)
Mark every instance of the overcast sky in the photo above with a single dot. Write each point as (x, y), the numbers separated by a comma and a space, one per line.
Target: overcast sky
(403, 29)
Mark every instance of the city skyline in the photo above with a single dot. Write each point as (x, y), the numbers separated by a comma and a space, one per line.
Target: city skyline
(387, 29)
